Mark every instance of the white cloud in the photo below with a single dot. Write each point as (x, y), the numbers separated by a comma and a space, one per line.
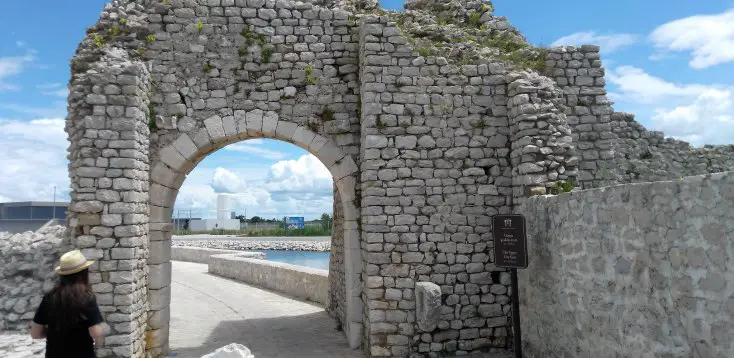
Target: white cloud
(53, 89)
(708, 38)
(33, 159)
(707, 120)
(20, 43)
(291, 187)
(642, 87)
(224, 181)
(697, 113)
(608, 43)
(11, 66)
(249, 148)
(58, 109)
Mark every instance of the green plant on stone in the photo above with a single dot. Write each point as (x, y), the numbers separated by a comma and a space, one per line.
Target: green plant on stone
(114, 30)
(313, 126)
(327, 114)
(139, 51)
(242, 51)
(207, 67)
(563, 187)
(310, 80)
(123, 21)
(487, 8)
(474, 19)
(199, 26)
(267, 52)
(99, 40)
(150, 38)
(380, 124)
(309, 70)
(425, 51)
(151, 118)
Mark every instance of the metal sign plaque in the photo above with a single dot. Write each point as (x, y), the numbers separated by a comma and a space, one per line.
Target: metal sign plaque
(510, 241)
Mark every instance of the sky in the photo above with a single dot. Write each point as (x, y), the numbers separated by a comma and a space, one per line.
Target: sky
(669, 62)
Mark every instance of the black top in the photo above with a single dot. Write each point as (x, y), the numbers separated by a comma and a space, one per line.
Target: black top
(70, 342)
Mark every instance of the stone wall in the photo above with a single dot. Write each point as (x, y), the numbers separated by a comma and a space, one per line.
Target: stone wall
(337, 290)
(436, 145)
(27, 263)
(613, 148)
(634, 270)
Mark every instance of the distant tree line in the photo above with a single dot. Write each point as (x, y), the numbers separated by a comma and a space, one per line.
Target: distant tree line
(326, 220)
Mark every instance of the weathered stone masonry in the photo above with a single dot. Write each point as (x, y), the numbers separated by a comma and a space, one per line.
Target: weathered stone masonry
(423, 151)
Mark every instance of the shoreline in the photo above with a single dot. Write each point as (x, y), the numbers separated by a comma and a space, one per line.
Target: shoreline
(254, 245)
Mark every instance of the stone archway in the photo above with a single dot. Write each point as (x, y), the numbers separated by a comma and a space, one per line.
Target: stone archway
(180, 157)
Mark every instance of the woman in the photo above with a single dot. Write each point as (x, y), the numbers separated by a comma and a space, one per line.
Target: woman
(68, 316)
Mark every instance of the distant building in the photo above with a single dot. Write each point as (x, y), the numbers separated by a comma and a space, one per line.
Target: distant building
(34, 210)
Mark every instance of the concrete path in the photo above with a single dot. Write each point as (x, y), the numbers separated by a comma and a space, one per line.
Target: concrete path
(250, 238)
(208, 312)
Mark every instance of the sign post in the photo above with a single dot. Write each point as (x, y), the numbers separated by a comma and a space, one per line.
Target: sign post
(511, 251)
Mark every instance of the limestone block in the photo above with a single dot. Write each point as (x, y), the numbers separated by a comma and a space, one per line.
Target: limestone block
(159, 299)
(160, 252)
(160, 318)
(230, 127)
(330, 154)
(428, 303)
(344, 167)
(233, 350)
(270, 123)
(302, 137)
(317, 143)
(171, 157)
(285, 130)
(161, 195)
(214, 127)
(186, 146)
(159, 276)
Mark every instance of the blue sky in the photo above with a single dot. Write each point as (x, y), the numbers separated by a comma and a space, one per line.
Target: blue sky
(669, 62)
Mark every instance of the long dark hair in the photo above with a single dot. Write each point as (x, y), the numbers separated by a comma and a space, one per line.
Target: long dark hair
(68, 299)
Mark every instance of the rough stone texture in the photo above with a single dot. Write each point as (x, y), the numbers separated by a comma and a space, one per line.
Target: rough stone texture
(612, 147)
(337, 286)
(423, 149)
(435, 150)
(27, 263)
(21, 346)
(428, 303)
(635, 270)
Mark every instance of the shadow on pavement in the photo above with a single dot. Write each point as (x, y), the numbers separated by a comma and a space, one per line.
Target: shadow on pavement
(306, 336)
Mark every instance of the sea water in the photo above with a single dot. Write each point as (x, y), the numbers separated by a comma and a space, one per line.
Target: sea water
(313, 259)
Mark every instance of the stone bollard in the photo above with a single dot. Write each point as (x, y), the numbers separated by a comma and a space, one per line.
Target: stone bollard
(428, 302)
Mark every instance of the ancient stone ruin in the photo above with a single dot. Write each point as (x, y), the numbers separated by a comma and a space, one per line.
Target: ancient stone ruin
(430, 120)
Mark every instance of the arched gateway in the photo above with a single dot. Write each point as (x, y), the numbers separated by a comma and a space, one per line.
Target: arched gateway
(422, 151)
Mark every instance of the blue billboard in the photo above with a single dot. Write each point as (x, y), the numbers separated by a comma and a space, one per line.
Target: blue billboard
(294, 222)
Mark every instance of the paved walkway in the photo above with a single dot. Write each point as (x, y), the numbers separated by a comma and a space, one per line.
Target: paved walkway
(208, 312)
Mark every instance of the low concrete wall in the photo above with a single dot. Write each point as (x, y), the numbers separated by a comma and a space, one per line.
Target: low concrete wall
(297, 281)
(202, 255)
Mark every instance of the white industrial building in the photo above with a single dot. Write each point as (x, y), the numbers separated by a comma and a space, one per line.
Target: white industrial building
(224, 220)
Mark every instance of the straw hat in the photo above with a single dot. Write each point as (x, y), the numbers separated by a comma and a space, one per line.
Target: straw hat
(73, 262)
